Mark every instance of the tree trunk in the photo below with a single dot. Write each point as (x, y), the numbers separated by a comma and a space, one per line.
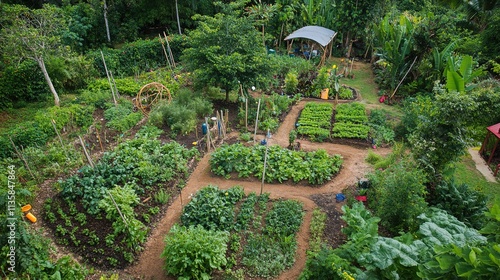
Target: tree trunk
(106, 21)
(41, 63)
(177, 14)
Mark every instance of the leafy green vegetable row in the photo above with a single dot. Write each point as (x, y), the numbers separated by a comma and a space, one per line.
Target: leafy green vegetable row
(282, 164)
(315, 121)
(350, 121)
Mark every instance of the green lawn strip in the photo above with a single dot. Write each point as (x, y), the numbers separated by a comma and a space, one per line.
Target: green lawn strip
(467, 173)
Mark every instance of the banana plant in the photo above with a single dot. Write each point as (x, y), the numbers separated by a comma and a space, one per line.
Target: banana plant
(440, 60)
(394, 43)
(460, 73)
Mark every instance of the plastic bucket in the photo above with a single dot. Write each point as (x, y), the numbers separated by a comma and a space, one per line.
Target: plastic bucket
(324, 93)
(26, 208)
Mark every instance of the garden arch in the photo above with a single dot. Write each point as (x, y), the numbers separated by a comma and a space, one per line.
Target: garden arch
(321, 35)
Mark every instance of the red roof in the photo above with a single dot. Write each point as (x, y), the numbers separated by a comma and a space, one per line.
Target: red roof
(495, 129)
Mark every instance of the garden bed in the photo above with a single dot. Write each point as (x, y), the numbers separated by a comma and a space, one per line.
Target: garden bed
(138, 177)
(252, 235)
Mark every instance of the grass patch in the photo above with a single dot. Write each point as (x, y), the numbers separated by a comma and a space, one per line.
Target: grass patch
(466, 172)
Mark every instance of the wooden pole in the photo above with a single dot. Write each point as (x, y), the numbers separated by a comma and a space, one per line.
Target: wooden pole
(85, 151)
(400, 82)
(256, 121)
(109, 79)
(99, 139)
(114, 84)
(59, 136)
(21, 157)
(208, 135)
(169, 50)
(165, 52)
(264, 171)
(246, 114)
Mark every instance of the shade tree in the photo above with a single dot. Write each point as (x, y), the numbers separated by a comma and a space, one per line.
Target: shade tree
(35, 35)
(225, 50)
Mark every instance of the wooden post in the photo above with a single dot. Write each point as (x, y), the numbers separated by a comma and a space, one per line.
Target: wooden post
(109, 79)
(256, 121)
(85, 151)
(21, 157)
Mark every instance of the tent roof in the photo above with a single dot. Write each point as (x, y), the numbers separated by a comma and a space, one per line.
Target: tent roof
(495, 129)
(316, 33)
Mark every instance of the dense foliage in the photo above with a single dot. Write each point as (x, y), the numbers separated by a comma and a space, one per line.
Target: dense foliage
(141, 160)
(397, 195)
(113, 196)
(282, 164)
(415, 255)
(182, 114)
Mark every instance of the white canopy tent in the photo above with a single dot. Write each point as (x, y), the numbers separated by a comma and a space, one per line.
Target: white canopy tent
(321, 35)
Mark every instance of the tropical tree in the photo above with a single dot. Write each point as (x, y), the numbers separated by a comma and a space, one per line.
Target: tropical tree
(225, 50)
(34, 34)
(262, 14)
(394, 44)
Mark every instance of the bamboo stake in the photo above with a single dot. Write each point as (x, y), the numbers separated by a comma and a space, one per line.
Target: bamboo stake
(114, 84)
(85, 152)
(400, 82)
(264, 171)
(169, 50)
(226, 119)
(21, 157)
(109, 79)
(208, 135)
(99, 139)
(223, 124)
(256, 121)
(53, 122)
(246, 114)
(165, 52)
(118, 208)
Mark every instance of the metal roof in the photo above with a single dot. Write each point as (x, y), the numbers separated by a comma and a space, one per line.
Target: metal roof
(316, 33)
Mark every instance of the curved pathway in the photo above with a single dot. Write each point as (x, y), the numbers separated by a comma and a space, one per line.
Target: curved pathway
(150, 265)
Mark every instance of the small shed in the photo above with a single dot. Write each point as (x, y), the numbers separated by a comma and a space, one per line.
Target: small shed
(489, 149)
(321, 35)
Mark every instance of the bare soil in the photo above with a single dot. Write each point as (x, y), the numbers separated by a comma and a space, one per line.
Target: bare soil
(150, 264)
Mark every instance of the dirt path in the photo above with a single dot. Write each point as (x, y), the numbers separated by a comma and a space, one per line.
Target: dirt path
(150, 264)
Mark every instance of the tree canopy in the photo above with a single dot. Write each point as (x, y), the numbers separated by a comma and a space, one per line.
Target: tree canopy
(225, 50)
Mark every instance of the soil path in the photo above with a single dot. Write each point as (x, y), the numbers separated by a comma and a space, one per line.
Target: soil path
(150, 264)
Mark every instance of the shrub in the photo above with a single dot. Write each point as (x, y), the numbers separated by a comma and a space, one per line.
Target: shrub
(291, 82)
(192, 253)
(121, 117)
(97, 98)
(321, 82)
(397, 195)
(181, 114)
(22, 82)
(212, 208)
(461, 201)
